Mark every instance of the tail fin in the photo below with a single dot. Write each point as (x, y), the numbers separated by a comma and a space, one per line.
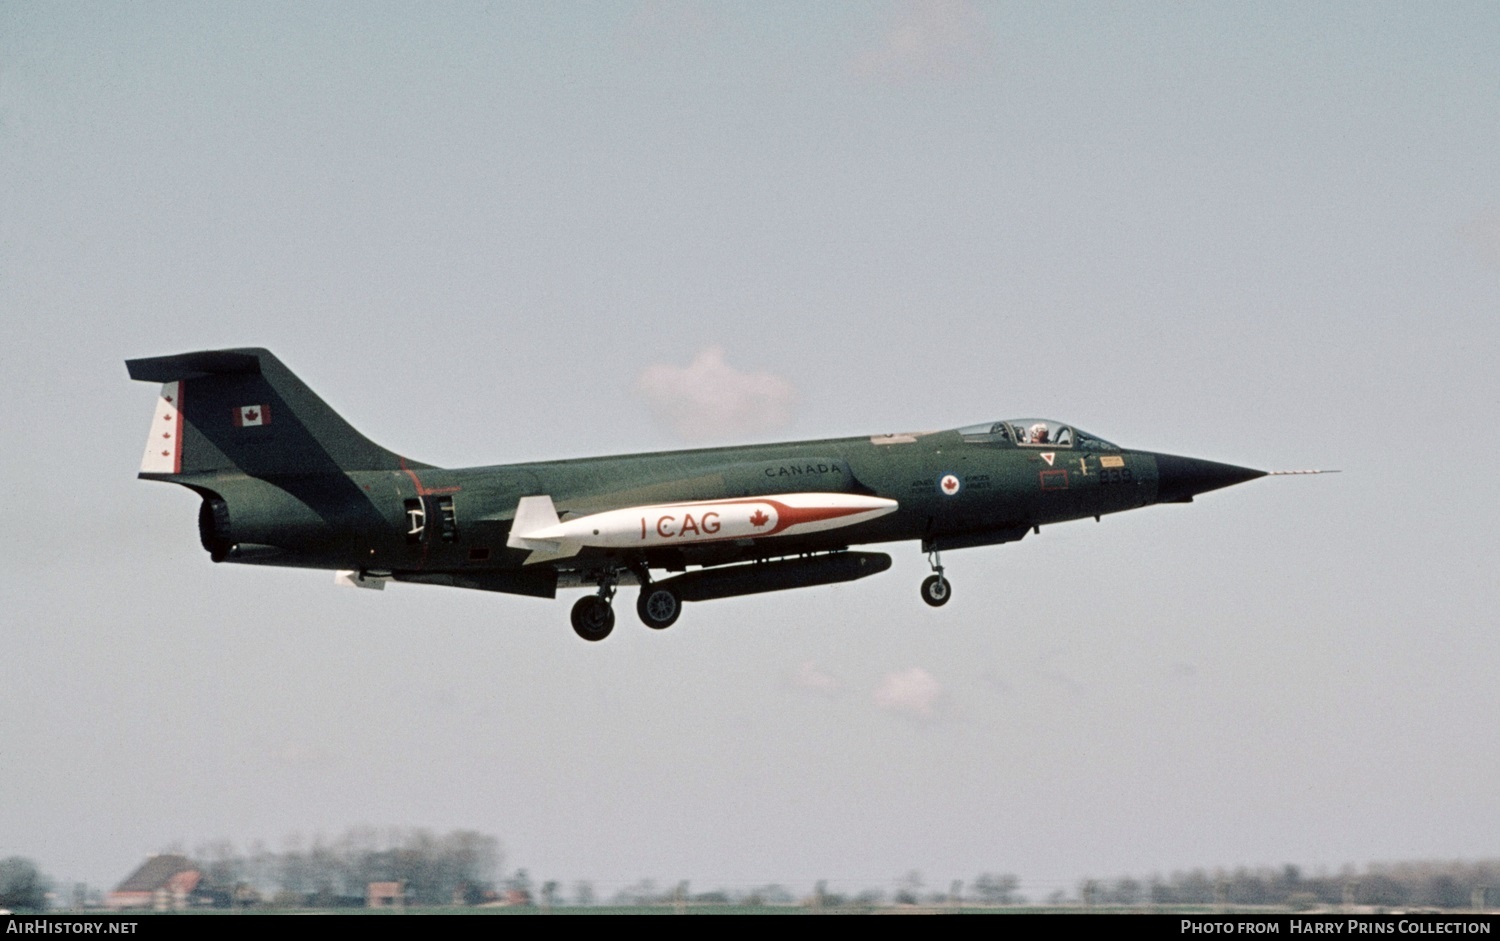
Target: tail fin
(242, 410)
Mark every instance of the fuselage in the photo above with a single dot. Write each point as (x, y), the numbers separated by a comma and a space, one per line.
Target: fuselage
(952, 489)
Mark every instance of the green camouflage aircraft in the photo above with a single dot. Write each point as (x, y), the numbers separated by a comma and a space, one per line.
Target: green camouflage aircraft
(286, 481)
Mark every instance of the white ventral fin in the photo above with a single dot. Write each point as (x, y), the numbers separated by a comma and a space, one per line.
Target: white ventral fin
(536, 515)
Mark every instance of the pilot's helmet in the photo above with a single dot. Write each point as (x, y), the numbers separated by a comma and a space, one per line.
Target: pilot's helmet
(1039, 433)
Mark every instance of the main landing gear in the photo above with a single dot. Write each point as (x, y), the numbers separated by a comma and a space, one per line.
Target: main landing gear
(935, 588)
(593, 618)
(659, 606)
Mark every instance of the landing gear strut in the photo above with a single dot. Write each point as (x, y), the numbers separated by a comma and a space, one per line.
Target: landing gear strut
(935, 588)
(593, 617)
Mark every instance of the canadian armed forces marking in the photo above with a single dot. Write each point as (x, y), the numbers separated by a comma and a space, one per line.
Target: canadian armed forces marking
(797, 470)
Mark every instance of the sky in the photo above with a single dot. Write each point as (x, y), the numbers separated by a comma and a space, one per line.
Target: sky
(1266, 234)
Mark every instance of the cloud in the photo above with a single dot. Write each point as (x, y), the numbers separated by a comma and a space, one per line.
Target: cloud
(926, 39)
(710, 399)
(911, 692)
(815, 679)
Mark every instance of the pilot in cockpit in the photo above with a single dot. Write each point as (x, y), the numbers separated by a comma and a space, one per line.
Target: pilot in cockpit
(1037, 434)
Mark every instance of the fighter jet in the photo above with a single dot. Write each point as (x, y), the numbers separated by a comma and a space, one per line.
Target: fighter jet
(286, 481)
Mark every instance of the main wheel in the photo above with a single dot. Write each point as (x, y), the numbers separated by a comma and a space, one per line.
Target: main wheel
(593, 618)
(658, 607)
(936, 591)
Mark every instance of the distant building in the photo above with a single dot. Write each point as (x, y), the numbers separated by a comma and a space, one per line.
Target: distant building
(162, 883)
(385, 895)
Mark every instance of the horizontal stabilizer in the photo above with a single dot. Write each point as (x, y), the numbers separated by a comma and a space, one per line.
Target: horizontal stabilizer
(192, 365)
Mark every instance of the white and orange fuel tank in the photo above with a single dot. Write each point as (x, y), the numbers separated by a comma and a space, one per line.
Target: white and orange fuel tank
(538, 528)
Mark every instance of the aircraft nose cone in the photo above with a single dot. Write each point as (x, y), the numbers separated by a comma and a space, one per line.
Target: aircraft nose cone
(1180, 478)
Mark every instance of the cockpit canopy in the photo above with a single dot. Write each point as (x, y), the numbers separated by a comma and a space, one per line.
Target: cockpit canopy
(1035, 433)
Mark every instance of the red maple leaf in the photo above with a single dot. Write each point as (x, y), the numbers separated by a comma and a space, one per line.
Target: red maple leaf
(251, 415)
(949, 484)
(760, 518)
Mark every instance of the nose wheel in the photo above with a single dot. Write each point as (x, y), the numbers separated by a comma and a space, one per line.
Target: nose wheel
(936, 591)
(935, 588)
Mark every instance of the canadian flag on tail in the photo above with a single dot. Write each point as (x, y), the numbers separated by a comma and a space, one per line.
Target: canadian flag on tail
(252, 416)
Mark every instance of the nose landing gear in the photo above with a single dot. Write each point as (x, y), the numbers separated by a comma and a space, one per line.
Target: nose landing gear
(935, 588)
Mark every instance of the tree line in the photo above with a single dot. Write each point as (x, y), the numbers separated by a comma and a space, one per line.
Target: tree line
(458, 867)
(1394, 885)
(466, 867)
